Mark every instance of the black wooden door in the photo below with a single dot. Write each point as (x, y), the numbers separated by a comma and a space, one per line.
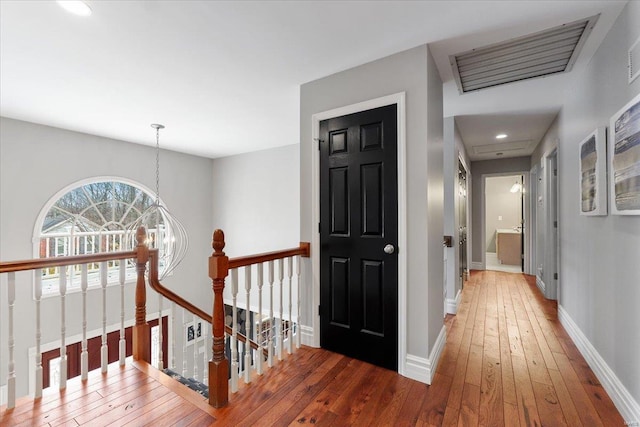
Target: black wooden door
(359, 220)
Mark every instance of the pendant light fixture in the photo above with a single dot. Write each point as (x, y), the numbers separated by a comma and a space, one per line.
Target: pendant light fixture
(164, 231)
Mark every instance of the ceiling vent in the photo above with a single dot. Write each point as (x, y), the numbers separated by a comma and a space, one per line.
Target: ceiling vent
(540, 54)
(503, 147)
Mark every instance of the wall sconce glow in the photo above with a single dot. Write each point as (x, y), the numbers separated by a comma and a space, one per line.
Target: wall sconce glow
(501, 136)
(76, 7)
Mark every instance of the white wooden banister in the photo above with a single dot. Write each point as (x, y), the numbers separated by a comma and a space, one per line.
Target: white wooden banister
(247, 323)
(84, 355)
(104, 350)
(271, 319)
(122, 345)
(94, 273)
(290, 327)
(63, 330)
(160, 351)
(259, 338)
(281, 320)
(11, 378)
(234, 333)
(38, 297)
(298, 334)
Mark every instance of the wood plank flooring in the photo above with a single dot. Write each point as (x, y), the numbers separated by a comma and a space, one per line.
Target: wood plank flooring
(507, 361)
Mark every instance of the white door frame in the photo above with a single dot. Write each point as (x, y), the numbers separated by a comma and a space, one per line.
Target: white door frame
(527, 229)
(552, 208)
(399, 100)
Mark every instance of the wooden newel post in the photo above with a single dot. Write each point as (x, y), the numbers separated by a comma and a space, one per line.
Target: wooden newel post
(141, 330)
(218, 365)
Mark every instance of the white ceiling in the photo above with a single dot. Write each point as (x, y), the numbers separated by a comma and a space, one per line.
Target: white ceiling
(224, 77)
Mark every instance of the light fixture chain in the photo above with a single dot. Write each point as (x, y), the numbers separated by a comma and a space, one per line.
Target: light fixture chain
(158, 165)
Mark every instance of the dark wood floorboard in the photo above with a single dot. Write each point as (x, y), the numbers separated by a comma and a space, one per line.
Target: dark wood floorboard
(507, 361)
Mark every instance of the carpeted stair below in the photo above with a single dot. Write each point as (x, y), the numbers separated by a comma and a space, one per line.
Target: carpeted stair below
(193, 384)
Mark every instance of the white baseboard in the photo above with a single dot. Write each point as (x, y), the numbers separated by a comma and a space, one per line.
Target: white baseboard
(626, 404)
(452, 304)
(306, 336)
(3, 395)
(541, 285)
(421, 369)
(477, 265)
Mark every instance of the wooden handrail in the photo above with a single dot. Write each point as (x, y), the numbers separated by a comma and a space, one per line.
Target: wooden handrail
(157, 286)
(34, 264)
(303, 250)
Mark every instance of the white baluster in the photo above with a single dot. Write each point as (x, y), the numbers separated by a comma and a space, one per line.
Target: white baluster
(184, 344)
(122, 345)
(234, 332)
(173, 337)
(195, 347)
(247, 328)
(205, 353)
(259, 352)
(281, 321)
(160, 352)
(290, 328)
(63, 327)
(84, 355)
(298, 334)
(271, 319)
(11, 378)
(38, 297)
(104, 350)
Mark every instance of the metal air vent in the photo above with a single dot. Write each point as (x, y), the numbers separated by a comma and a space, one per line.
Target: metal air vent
(503, 147)
(540, 54)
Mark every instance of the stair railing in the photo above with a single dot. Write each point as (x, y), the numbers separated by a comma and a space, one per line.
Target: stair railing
(282, 333)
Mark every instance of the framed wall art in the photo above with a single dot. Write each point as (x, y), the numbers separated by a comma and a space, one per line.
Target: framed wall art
(624, 159)
(593, 173)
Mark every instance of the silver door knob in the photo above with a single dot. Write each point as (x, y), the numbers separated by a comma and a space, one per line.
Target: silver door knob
(389, 249)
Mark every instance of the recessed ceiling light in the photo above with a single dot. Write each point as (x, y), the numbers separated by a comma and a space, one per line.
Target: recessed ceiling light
(501, 136)
(76, 7)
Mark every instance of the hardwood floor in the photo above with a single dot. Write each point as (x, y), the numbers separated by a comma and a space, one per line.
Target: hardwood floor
(507, 361)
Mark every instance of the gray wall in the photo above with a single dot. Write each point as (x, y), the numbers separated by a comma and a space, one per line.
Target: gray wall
(256, 200)
(488, 167)
(35, 163)
(413, 72)
(599, 283)
(500, 203)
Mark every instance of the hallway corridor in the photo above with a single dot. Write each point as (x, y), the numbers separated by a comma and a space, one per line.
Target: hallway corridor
(508, 361)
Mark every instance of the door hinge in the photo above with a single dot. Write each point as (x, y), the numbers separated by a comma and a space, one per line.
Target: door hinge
(555, 172)
(319, 310)
(555, 224)
(555, 276)
(318, 227)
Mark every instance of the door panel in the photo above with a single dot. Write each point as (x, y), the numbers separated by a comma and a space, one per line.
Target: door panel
(358, 213)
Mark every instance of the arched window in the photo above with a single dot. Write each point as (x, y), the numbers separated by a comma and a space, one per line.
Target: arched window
(86, 218)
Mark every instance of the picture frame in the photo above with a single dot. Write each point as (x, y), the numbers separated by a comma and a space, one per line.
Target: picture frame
(593, 173)
(193, 332)
(624, 159)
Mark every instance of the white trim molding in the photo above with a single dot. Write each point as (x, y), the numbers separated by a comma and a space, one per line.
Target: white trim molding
(398, 99)
(3, 395)
(453, 303)
(541, 285)
(421, 369)
(306, 335)
(475, 265)
(626, 404)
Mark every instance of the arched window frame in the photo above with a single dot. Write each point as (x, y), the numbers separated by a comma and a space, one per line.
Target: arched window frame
(49, 282)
